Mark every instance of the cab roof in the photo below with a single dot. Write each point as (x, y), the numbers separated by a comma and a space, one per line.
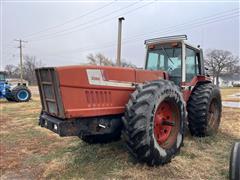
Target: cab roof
(177, 38)
(170, 39)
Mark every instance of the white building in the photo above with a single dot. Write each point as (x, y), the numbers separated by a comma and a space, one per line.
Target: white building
(229, 80)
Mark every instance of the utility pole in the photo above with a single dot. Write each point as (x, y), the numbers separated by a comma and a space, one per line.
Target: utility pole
(21, 58)
(119, 40)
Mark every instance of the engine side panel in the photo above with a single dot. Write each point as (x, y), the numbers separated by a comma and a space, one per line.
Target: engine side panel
(89, 91)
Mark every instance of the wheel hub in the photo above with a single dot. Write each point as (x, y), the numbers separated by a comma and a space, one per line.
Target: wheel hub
(213, 114)
(165, 122)
(22, 95)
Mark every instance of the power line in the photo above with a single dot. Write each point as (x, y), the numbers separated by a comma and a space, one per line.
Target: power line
(88, 22)
(111, 45)
(183, 26)
(177, 30)
(100, 22)
(200, 23)
(214, 16)
(130, 11)
(192, 26)
(70, 20)
(165, 32)
(137, 40)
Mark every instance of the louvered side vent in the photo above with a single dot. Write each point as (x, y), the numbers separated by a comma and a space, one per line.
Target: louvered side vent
(98, 98)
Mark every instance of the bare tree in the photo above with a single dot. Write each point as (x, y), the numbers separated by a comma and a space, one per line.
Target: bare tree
(218, 61)
(236, 69)
(128, 64)
(11, 71)
(100, 59)
(29, 65)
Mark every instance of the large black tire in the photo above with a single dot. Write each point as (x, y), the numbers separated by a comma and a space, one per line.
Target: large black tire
(234, 165)
(9, 96)
(102, 138)
(204, 110)
(10, 99)
(19, 89)
(140, 118)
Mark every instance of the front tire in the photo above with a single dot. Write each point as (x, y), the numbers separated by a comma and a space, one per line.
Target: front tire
(204, 110)
(10, 99)
(9, 96)
(154, 122)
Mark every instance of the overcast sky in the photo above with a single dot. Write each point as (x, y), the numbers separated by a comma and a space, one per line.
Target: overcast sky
(63, 33)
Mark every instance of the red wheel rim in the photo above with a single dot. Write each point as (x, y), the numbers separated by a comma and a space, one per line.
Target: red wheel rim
(213, 116)
(166, 124)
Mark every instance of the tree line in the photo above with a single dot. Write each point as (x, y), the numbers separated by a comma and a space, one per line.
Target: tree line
(220, 62)
(216, 61)
(30, 63)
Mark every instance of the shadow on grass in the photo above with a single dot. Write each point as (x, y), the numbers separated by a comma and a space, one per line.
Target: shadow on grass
(94, 161)
(100, 161)
(4, 101)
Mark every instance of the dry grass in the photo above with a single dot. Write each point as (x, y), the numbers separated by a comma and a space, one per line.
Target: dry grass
(227, 92)
(31, 152)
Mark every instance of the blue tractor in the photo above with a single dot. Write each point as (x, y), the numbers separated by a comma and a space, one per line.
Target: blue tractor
(18, 93)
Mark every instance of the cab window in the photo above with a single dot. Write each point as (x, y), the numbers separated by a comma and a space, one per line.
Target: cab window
(167, 59)
(192, 68)
(2, 77)
(153, 61)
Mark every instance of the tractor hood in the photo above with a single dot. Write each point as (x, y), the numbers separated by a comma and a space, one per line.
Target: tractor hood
(104, 76)
(88, 91)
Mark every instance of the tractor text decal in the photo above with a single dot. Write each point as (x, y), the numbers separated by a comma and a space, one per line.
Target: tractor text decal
(95, 77)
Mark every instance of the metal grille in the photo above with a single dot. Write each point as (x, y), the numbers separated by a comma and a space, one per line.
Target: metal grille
(49, 91)
(98, 98)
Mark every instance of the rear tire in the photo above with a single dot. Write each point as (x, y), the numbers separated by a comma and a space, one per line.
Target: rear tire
(144, 132)
(21, 94)
(234, 165)
(204, 110)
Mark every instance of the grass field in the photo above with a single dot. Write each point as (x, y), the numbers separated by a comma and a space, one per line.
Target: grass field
(31, 152)
(228, 92)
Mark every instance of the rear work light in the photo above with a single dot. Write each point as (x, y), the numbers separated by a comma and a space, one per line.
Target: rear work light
(55, 127)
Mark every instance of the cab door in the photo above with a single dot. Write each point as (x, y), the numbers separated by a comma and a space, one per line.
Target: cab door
(192, 70)
(192, 63)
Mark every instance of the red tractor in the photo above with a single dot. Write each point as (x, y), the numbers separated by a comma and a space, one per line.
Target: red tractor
(150, 108)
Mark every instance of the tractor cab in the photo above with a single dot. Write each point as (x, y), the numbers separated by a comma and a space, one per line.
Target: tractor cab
(182, 61)
(2, 77)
